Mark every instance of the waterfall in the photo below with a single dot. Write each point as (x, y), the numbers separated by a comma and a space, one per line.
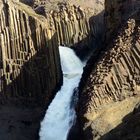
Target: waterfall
(60, 115)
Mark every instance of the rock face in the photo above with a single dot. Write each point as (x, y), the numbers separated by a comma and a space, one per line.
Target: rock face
(29, 70)
(70, 23)
(30, 65)
(73, 24)
(77, 24)
(92, 6)
(112, 89)
(116, 12)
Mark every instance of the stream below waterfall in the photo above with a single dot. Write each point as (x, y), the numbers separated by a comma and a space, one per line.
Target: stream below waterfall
(60, 115)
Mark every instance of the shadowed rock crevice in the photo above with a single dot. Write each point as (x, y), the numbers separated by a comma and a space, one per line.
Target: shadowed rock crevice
(116, 13)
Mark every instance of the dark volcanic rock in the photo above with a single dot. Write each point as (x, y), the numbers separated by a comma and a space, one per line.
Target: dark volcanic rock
(28, 2)
(19, 123)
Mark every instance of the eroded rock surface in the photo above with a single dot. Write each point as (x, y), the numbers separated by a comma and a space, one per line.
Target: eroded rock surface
(73, 23)
(30, 64)
(78, 24)
(113, 88)
(29, 70)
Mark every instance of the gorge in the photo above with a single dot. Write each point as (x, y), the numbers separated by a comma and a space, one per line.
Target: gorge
(60, 115)
(43, 93)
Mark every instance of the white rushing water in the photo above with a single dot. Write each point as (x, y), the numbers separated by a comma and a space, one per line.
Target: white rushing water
(60, 115)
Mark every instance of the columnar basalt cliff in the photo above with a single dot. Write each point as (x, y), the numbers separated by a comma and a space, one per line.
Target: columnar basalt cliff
(29, 70)
(70, 23)
(112, 89)
(30, 64)
(77, 24)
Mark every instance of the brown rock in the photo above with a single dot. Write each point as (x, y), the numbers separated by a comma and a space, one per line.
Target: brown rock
(29, 56)
(79, 24)
(30, 71)
(106, 99)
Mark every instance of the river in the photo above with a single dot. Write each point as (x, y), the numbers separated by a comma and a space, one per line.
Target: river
(60, 115)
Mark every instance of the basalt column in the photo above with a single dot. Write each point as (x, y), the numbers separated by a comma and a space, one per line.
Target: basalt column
(30, 70)
(77, 23)
(29, 58)
(110, 97)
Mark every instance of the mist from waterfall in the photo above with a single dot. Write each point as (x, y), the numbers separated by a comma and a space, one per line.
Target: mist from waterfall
(60, 115)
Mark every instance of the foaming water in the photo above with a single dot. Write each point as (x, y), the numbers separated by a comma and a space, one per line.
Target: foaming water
(60, 116)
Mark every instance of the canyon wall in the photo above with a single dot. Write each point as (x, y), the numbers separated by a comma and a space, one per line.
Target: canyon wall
(110, 95)
(78, 24)
(30, 71)
(116, 13)
(70, 23)
(29, 58)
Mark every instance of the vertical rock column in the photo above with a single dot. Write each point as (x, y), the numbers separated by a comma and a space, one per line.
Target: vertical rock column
(29, 57)
(112, 90)
(70, 23)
